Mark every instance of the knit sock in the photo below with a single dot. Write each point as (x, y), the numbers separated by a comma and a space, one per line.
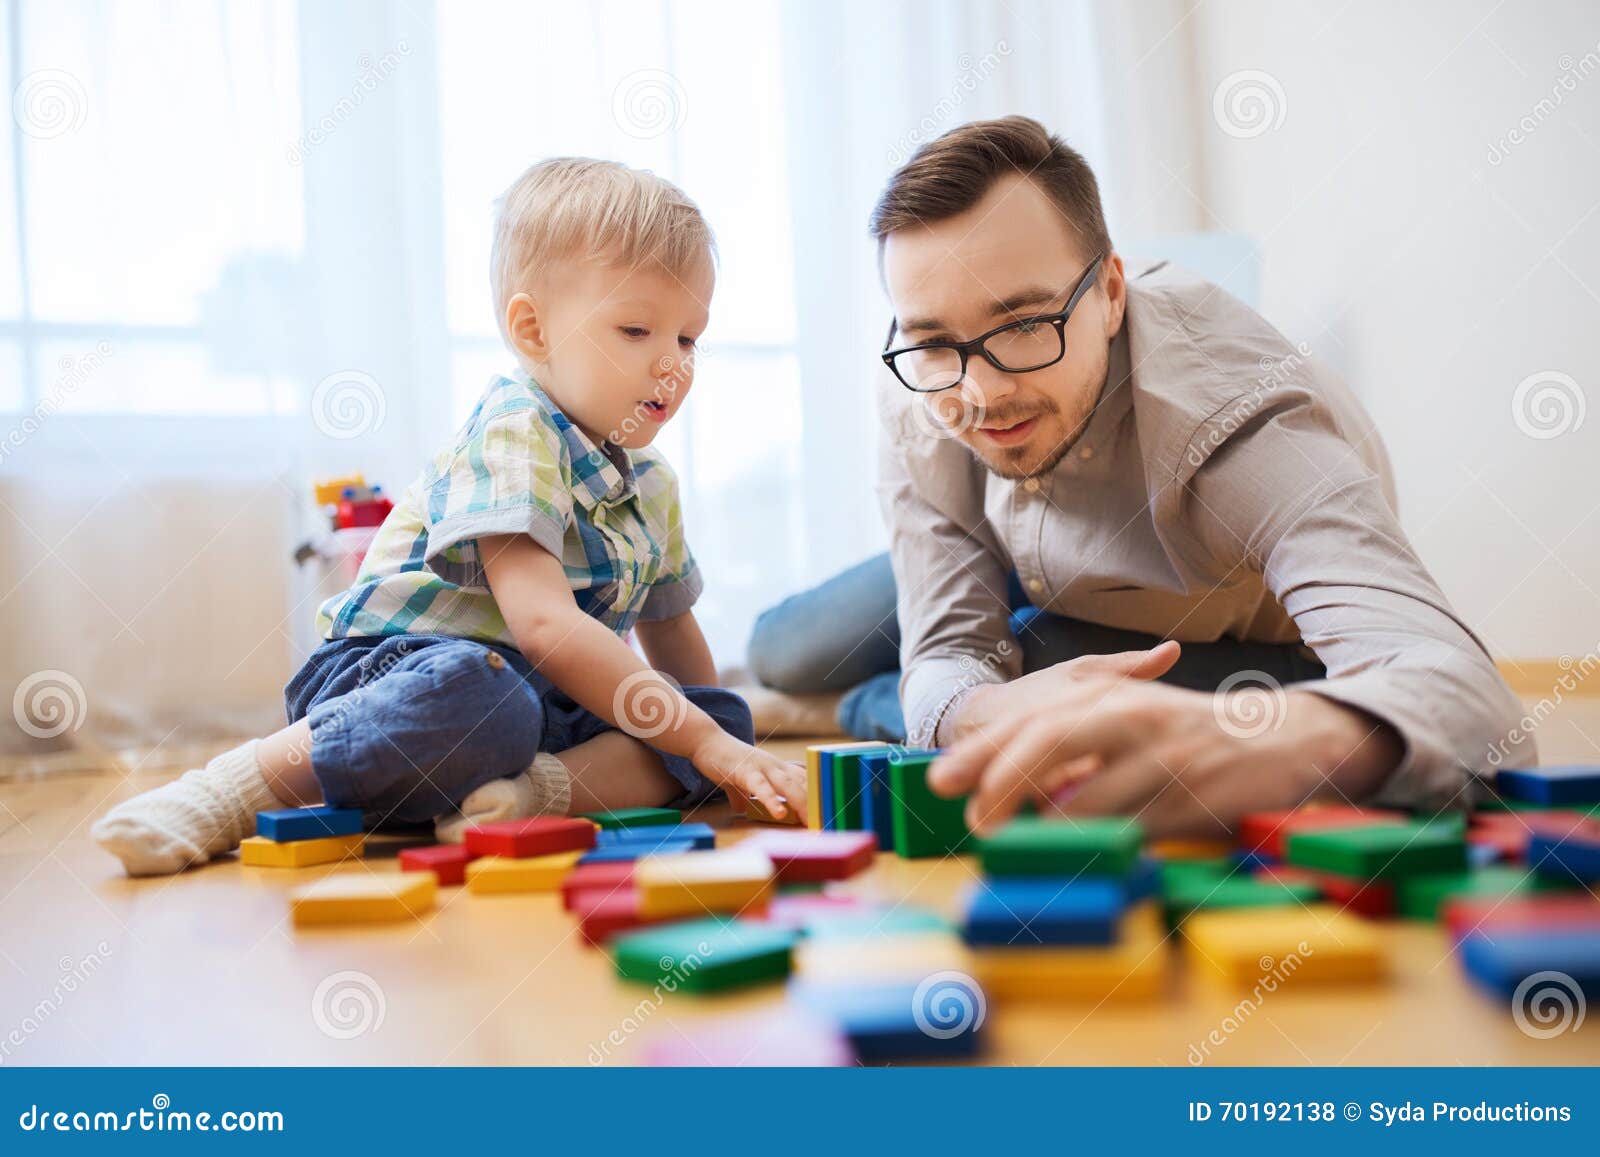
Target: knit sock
(202, 814)
(544, 789)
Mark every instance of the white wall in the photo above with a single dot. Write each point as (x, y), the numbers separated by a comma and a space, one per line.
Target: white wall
(1438, 263)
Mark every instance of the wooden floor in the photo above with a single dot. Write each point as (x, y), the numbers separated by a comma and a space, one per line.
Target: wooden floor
(204, 968)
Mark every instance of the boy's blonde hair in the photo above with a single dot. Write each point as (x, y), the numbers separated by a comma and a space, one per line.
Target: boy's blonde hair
(567, 206)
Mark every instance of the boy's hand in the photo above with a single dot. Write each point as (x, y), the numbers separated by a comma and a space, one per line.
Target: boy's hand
(753, 778)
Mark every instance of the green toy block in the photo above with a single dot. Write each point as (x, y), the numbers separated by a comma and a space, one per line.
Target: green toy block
(1035, 846)
(1178, 874)
(1382, 851)
(705, 955)
(1200, 894)
(634, 817)
(846, 791)
(1423, 897)
(924, 824)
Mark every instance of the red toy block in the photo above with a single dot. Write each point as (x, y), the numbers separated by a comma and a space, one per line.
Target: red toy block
(448, 862)
(520, 839)
(797, 911)
(613, 877)
(1269, 832)
(603, 913)
(1509, 832)
(1520, 913)
(803, 857)
(1373, 898)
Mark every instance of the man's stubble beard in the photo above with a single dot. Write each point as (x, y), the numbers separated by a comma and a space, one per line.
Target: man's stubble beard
(1012, 467)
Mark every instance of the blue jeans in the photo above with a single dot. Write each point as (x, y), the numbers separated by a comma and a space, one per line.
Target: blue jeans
(844, 636)
(405, 727)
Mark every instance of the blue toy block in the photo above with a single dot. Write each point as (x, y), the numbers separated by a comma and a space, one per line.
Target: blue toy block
(1550, 785)
(1144, 880)
(285, 825)
(635, 849)
(1028, 913)
(1572, 858)
(1500, 959)
(825, 788)
(886, 1023)
(877, 804)
(1248, 862)
(702, 836)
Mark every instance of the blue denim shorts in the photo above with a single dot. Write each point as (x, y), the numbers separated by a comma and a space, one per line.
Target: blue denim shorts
(406, 726)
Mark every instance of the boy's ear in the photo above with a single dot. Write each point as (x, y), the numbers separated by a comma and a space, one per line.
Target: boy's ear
(525, 327)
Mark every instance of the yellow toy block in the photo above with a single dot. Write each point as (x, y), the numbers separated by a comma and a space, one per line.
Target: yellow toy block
(327, 491)
(260, 852)
(1133, 969)
(695, 883)
(814, 777)
(532, 874)
(1319, 944)
(895, 957)
(1191, 849)
(364, 898)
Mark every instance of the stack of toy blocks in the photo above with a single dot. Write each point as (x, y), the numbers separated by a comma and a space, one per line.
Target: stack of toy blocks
(882, 788)
(304, 836)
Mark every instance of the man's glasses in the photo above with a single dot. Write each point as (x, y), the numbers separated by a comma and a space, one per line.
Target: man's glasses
(1018, 347)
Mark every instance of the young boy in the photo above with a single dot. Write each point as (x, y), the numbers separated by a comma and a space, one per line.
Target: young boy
(476, 670)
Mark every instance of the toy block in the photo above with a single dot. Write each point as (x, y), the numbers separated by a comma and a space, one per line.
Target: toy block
(819, 781)
(1269, 831)
(847, 812)
(363, 898)
(801, 857)
(633, 817)
(781, 1037)
(327, 491)
(1372, 898)
(524, 839)
(447, 862)
(1562, 964)
(1190, 849)
(698, 836)
(606, 878)
(1421, 897)
(892, 1022)
(1386, 851)
(908, 958)
(629, 851)
(1245, 945)
(705, 955)
(877, 805)
(699, 882)
(925, 824)
(497, 874)
(260, 852)
(1196, 895)
(1024, 913)
(307, 823)
(1176, 874)
(1550, 785)
(797, 911)
(1133, 969)
(1143, 881)
(1035, 846)
(1573, 859)
(603, 915)
(1523, 913)
(1509, 832)
(873, 922)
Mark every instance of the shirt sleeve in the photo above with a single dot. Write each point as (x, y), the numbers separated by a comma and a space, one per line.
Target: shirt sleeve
(1290, 497)
(509, 477)
(950, 575)
(678, 583)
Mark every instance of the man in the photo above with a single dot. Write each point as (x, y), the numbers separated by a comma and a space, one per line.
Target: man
(1152, 461)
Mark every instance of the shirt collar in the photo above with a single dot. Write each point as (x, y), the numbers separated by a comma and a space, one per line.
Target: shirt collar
(601, 474)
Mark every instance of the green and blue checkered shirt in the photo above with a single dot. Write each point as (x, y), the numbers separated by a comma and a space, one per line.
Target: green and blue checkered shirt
(519, 466)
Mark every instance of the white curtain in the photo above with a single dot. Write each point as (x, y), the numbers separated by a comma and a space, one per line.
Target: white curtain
(251, 242)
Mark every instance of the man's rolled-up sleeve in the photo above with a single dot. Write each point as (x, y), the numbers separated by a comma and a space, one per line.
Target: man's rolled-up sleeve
(1288, 496)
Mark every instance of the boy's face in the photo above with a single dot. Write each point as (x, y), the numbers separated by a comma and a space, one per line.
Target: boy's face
(615, 346)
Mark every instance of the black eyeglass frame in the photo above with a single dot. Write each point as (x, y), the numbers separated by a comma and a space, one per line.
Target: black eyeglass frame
(1086, 282)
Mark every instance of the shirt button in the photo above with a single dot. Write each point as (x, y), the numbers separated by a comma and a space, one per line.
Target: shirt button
(1031, 485)
(1086, 452)
(1035, 585)
(495, 660)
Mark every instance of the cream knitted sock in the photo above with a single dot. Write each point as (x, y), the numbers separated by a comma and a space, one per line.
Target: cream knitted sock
(202, 814)
(544, 789)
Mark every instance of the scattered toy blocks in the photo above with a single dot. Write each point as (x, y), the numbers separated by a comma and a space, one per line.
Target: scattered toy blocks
(705, 955)
(698, 836)
(1269, 831)
(260, 852)
(925, 824)
(1243, 946)
(1372, 898)
(1422, 897)
(1550, 785)
(1382, 851)
(699, 882)
(1238, 891)
(802, 857)
(524, 839)
(363, 898)
(1026, 913)
(447, 862)
(307, 823)
(1067, 848)
(497, 874)
(633, 817)
(1133, 969)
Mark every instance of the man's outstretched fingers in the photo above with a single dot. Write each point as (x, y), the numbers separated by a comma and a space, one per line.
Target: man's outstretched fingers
(1147, 664)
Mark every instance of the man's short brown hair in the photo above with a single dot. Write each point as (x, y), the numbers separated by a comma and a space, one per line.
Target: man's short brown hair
(951, 173)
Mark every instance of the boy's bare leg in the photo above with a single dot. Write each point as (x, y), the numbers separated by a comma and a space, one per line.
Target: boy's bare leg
(285, 761)
(614, 770)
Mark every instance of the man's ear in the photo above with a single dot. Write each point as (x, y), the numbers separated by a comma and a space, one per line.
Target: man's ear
(1116, 287)
(526, 329)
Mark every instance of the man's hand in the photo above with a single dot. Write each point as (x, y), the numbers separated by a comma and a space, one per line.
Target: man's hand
(752, 777)
(1184, 762)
